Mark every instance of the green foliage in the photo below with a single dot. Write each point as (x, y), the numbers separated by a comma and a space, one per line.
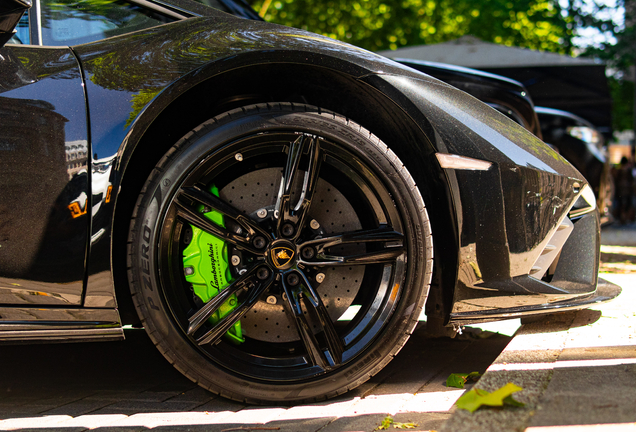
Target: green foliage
(398, 425)
(620, 57)
(388, 421)
(475, 398)
(458, 380)
(623, 103)
(390, 24)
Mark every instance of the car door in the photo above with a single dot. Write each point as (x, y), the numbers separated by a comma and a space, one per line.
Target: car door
(44, 176)
(54, 187)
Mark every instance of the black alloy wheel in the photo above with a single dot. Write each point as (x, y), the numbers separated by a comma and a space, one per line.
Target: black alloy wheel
(279, 253)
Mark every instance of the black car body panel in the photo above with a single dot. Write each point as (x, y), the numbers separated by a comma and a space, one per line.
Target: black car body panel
(107, 111)
(45, 179)
(500, 235)
(554, 126)
(10, 14)
(584, 147)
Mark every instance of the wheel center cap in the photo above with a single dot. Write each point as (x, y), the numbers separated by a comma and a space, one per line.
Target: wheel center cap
(282, 254)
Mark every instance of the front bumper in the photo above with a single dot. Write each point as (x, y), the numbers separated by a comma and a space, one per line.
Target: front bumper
(507, 212)
(572, 284)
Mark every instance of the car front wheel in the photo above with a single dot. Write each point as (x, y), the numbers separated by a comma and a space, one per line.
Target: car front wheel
(279, 253)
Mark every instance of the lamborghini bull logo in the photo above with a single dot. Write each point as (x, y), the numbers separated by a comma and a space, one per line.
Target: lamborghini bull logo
(281, 256)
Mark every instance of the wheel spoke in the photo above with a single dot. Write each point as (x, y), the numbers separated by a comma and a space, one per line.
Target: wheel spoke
(203, 314)
(257, 289)
(392, 242)
(196, 218)
(305, 294)
(285, 210)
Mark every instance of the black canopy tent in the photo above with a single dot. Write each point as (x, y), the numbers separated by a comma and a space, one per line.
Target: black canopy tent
(577, 85)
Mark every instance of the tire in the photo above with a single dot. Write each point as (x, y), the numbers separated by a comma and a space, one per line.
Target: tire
(320, 233)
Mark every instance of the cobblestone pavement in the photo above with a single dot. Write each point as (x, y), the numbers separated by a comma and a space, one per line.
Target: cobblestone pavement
(578, 371)
(128, 386)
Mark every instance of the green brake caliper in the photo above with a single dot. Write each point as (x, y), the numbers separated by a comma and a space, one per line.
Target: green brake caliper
(207, 269)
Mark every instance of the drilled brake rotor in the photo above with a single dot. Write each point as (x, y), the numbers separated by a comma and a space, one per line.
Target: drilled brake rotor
(258, 189)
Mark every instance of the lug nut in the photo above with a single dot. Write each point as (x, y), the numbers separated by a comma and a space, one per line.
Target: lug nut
(259, 242)
(288, 230)
(236, 260)
(320, 277)
(314, 224)
(293, 279)
(262, 273)
(261, 213)
(308, 253)
(271, 300)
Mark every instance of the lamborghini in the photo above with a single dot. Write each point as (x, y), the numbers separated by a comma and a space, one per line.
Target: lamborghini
(276, 208)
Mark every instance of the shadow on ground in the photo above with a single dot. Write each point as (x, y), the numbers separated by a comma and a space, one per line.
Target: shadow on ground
(129, 386)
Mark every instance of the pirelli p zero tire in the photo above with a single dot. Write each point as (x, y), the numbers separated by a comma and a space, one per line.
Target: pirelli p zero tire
(279, 253)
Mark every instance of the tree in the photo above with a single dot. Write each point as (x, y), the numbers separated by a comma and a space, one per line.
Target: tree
(390, 24)
(620, 56)
(547, 25)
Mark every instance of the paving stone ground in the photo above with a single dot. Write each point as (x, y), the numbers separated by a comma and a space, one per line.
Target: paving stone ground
(578, 371)
(128, 386)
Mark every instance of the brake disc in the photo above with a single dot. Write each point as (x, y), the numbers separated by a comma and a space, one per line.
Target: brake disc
(267, 319)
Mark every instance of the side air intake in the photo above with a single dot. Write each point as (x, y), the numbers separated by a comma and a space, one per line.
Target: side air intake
(552, 249)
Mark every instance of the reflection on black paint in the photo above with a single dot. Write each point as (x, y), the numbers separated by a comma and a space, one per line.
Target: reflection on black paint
(31, 134)
(43, 170)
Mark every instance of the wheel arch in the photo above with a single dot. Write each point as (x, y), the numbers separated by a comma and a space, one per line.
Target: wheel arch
(289, 82)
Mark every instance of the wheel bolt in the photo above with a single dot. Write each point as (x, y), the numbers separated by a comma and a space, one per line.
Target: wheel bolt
(261, 213)
(320, 277)
(308, 253)
(259, 242)
(271, 300)
(314, 224)
(293, 279)
(262, 273)
(288, 230)
(236, 260)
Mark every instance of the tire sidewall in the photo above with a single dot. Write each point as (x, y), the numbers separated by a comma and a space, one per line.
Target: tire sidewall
(153, 205)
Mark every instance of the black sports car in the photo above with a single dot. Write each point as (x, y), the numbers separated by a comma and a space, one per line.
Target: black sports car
(274, 207)
(584, 147)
